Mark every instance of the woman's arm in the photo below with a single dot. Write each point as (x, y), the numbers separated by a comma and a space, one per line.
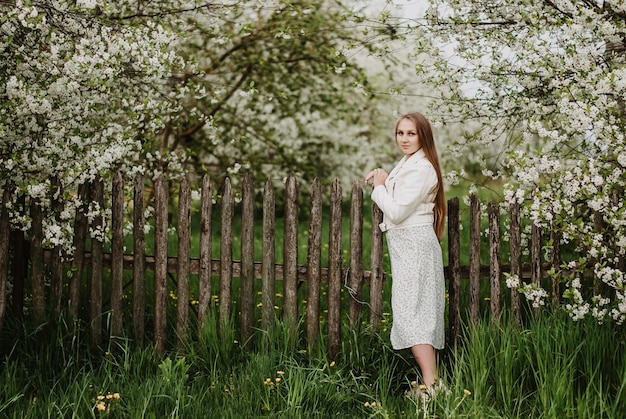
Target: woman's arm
(411, 188)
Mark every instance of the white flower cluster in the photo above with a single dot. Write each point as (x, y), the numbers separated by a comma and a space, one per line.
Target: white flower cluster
(577, 307)
(512, 281)
(534, 294)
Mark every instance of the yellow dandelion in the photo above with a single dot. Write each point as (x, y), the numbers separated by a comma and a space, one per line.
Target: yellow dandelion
(332, 364)
(100, 397)
(260, 305)
(413, 384)
(101, 406)
(278, 380)
(423, 387)
(236, 342)
(279, 295)
(281, 373)
(109, 396)
(367, 404)
(467, 392)
(259, 293)
(487, 299)
(35, 399)
(276, 308)
(116, 396)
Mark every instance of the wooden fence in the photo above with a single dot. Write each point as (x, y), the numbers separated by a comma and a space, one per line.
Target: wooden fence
(48, 300)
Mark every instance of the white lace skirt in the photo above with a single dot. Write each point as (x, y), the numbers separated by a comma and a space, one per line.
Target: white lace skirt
(418, 287)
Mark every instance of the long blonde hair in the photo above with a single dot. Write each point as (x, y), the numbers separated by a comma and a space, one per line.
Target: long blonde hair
(427, 143)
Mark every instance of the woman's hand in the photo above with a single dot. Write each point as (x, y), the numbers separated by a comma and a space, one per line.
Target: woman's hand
(377, 176)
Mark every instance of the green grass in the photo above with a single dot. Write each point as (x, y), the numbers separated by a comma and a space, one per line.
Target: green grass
(552, 369)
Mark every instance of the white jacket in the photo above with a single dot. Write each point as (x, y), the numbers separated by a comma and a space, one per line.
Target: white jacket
(408, 197)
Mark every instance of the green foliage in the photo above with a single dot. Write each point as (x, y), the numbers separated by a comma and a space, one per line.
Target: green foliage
(273, 87)
(551, 369)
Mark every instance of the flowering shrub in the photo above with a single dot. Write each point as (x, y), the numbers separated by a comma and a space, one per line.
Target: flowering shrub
(539, 90)
(81, 92)
(266, 87)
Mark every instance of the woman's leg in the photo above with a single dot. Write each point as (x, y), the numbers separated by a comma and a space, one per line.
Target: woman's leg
(426, 359)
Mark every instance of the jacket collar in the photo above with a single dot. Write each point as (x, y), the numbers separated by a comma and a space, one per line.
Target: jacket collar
(418, 155)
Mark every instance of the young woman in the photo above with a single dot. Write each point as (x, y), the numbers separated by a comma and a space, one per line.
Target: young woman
(412, 200)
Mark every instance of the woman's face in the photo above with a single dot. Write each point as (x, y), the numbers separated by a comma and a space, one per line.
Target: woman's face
(406, 137)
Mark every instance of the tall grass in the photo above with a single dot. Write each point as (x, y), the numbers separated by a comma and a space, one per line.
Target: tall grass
(554, 368)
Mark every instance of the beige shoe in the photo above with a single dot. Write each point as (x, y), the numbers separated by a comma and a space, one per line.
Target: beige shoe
(437, 389)
(417, 393)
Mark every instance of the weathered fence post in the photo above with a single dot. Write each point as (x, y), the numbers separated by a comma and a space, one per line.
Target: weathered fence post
(268, 275)
(160, 265)
(454, 271)
(535, 254)
(290, 256)
(555, 263)
(494, 260)
(36, 260)
(19, 264)
(356, 253)
(474, 258)
(56, 264)
(4, 252)
(204, 277)
(334, 271)
(117, 255)
(184, 253)
(314, 267)
(226, 257)
(80, 233)
(598, 228)
(95, 293)
(376, 269)
(139, 260)
(515, 247)
(246, 283)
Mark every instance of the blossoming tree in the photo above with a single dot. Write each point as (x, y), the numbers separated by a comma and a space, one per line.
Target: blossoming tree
(543, 84)
(273, 89)
(89, 86)
(80, 94)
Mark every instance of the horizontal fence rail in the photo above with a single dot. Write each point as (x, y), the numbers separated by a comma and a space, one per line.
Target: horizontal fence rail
(23, 256)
